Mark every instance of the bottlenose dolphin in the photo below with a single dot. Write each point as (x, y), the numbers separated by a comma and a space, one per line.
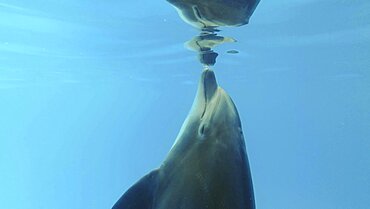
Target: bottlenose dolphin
(207, 167)
(213, 13)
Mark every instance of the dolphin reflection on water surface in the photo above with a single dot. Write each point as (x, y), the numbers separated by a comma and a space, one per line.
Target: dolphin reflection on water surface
(207, 167)
(214, 13)
(207, 15)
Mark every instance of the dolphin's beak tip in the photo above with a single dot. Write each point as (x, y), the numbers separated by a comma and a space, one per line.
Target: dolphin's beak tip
(209, 83)
(208, 76)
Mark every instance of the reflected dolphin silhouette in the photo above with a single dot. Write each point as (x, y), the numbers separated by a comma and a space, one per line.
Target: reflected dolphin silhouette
(207, 166)
(213, 13)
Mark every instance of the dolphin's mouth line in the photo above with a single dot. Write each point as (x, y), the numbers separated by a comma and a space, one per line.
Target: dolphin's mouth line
(209, 88)
(205, 99)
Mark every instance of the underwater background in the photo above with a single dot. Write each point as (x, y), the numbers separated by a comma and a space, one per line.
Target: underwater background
(93, 94)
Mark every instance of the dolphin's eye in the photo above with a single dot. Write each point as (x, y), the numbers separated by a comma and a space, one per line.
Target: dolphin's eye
(204, 130)
(201, 130)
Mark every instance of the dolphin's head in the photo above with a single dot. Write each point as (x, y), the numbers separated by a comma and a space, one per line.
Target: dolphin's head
(212, 123)
(213, 13)
(214, 110)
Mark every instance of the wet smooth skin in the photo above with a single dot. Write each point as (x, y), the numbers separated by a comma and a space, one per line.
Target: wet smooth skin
(207, 167)
(213, 13)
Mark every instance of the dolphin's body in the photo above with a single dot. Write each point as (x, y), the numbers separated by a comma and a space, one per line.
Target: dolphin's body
(207, 167)
(213, 13)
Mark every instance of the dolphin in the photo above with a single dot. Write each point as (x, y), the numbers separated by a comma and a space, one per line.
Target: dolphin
(213, 13)
(207, 167)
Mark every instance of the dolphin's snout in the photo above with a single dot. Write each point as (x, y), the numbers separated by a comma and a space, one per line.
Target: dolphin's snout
(209, 84)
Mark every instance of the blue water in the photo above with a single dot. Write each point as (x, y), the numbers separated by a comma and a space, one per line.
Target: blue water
(93, 94)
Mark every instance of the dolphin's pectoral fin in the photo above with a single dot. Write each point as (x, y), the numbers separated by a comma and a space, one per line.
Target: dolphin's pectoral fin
(140, 195)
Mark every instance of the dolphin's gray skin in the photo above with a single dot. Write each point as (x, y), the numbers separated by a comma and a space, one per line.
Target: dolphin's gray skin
(213, 13)
(207, 167)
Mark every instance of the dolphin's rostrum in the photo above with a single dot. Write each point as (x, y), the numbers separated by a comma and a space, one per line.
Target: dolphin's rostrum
(207, 167)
